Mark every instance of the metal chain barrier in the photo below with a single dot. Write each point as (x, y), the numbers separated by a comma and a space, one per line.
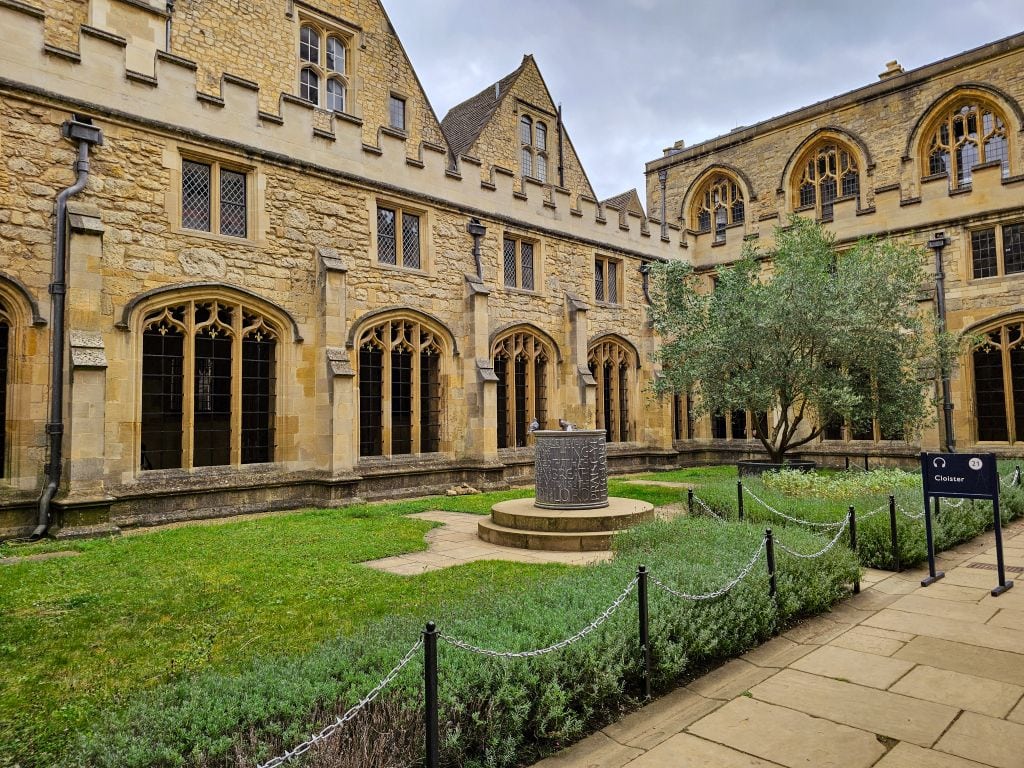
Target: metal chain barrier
(820, 552)
(703, 505)
(790, 518)
(340, 721)
(551, 648)
(1014, 480)
(902, 511)
(724, 590)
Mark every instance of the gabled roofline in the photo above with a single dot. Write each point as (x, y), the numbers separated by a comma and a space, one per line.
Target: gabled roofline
(864, 93)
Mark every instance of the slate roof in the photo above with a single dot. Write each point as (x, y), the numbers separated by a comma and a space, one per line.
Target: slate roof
(625, 201)
(464, 122)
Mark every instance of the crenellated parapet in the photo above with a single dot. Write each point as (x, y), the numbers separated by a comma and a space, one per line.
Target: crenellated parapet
(98, 80)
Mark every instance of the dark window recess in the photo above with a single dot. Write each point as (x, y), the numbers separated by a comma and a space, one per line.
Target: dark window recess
(540, 386)
(430, 402)
(232, 203)
(520, 394)
(828, 196)
(162, 386)
(833, 429)
(401, 402)
(1013, 248)
(396, 112)
(704, 221)
(737, 212)
(990, 394)
(983, 253)
(1017, 382)
(606, 401)
(623, 404)
(761, 420)
(718, 425)
(938, 162)
(387, 247)
(371, 368)
(613, 282)
(5, 336)
(599, 280)
(739, 425)
(258, 396)
(721, 221)
(195, 195)
(807, 195)
(678, 416)
(410, 241)
(526, 261)
(851, 184)
(211, 442)
(501, 371)
(511, 277)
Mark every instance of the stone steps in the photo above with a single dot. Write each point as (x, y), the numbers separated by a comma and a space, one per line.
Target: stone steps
(518, 523)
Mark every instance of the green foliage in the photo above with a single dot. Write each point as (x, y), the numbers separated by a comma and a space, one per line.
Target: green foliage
(495, 713)
(819, 336)
(840, 485)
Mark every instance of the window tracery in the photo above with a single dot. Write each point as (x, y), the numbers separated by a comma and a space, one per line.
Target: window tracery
(522, 363)
(967, 135)
(828, 172)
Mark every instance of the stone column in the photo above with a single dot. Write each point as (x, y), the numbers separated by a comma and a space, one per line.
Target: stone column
(582, 399)
(337, 404)
(481, 383)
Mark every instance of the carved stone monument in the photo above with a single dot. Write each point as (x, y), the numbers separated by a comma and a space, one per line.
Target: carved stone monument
(572, 510)
(571, 469)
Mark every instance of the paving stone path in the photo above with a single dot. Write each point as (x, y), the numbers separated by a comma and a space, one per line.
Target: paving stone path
(898, 676)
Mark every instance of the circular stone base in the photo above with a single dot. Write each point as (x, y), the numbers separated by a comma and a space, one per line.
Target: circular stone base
(519, 523)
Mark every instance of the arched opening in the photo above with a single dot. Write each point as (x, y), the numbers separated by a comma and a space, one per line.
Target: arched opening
(997, 363)
(613, 366)
(522, 362)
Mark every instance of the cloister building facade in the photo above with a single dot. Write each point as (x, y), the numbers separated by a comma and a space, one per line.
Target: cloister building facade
(289, 283)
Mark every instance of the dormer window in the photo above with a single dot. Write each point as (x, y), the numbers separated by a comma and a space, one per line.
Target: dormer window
(323, 67)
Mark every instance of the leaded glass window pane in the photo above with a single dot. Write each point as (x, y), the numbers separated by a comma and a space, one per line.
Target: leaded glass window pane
(966, 159)
(519, 384)
(387, 248)
(258, 396)
(162, 387)
(371, 382)
(510, 262)
(410, 241)
(195, 195)
(211, 423)
(704, 221)
(232, 203)
(335, 55)
(990, 393)
(5, 333)
(542, 168)
(525, 130)
(335, 95)
(401, 402)
(309, 86)
(430, 402)
(527, 162)
(396, 113)
(1013, 250)
(938, 162)
(738, 212)
(807, 195)
(309, 45)
(541, 135)
(828, 195)
(599, 280)
(983, 253)
(851, 184)
(526, 260)
(501, 372)
(613, 282)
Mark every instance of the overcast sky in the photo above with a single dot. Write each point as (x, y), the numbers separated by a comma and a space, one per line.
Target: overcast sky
(634, 76)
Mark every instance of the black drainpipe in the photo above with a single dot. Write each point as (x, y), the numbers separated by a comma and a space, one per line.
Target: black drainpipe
(662, 183)
(561, 160)
(167, 26)
(937, 244)
(81, 130)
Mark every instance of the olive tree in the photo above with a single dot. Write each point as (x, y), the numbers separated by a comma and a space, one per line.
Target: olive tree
(805, 332)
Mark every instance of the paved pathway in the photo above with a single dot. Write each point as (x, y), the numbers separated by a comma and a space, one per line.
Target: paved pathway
(897, 677)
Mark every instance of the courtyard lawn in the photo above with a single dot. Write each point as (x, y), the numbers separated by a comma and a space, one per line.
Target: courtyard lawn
(82, 633)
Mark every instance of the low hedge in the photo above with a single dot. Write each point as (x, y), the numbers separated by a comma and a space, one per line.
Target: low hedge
(956, 523)
(494, 713)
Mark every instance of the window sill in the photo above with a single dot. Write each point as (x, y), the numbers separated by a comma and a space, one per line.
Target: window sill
(519, 291)
(607, 304)
(220, 471)
(216, 237)
(404, 270)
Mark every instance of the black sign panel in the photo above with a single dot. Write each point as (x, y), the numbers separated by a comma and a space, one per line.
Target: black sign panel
(960, 475)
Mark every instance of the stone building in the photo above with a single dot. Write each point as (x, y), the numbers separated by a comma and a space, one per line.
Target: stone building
(934, 156)
(287, 282)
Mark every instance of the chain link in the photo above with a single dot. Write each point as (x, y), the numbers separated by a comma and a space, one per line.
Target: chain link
(820, 552)
(340, 721)
(902, 511)
(551, 648)
(724, 590)
(1014, 479)
(784, 516)
(703, 505)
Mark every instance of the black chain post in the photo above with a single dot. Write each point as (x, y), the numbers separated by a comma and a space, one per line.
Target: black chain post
(645, 640)
(1016, 476)
(853, 546)
(769, 551)
(894, 535)
(739, 497)
(689, 501)
(430, 692)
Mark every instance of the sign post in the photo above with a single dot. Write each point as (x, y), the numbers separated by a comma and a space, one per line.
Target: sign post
(961, 476)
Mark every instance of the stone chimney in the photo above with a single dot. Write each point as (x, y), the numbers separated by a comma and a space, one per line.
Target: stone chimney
(892, 68)
(675, 149)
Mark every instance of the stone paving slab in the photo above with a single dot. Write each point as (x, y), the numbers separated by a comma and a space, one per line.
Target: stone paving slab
(1009, 618)
(905, 755)
(976, 694)
(595, 751)
(889, 714)
(950, 609)
(766, 731)
(861, 639)
(685, 751)
(778, 653)
(971, 660)
(999, 638)
(1017, 715)
(729, 680)
(993, 742)
(853, 666)
(648, 727)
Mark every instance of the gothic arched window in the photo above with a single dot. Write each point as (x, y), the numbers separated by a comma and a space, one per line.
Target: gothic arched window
(208, 385)
(718, 204)
(968, 134)
(522, 363)
(998, 363)
(399, 389)
(827, 172)
(323, 67)
(612, 365)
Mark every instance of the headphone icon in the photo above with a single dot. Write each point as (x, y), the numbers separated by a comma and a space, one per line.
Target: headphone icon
(939, 462)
